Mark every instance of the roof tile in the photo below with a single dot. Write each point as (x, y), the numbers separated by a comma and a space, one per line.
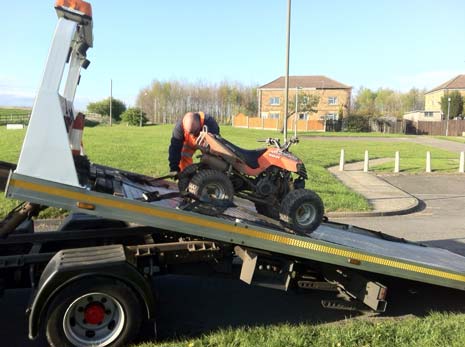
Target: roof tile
(318, 82)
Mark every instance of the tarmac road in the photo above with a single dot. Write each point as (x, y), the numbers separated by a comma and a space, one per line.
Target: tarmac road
(441, 219)
(190, 306)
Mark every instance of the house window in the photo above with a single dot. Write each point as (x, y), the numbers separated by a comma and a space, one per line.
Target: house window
(264, 115)
(273, 115)
(332, 100)
(274, 100)
(331, 116)
(302, 116)
(428, 114)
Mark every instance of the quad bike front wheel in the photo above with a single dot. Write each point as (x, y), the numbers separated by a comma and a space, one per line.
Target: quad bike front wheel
(213, 189)
(185, 176)
(302, 211)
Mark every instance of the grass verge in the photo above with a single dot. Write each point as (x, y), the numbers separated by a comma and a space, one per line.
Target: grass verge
(437, 329)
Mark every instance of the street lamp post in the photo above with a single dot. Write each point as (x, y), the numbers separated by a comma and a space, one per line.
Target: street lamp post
(296, 109)
(448, 114)
(286, 78)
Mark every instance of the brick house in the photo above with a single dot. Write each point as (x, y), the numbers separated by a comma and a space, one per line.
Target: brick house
(432, 112)
(433, 97)
(334, 97)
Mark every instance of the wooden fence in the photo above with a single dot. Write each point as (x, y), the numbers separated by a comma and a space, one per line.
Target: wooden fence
(456, 128)
(14, 119)
(243, 121)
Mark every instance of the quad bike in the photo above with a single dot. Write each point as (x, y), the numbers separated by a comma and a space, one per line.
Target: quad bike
(263, 176)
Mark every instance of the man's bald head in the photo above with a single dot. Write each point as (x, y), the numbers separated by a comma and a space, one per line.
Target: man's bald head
(191, 123)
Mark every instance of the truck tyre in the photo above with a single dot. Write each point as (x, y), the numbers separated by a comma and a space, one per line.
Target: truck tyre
(93, 312)
(302, 211)
(214, 190)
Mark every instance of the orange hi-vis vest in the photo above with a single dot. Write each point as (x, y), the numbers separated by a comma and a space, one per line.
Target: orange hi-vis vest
(189, 146)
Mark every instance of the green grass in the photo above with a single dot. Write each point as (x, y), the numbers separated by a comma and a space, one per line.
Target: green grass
(435, 330)
(145, 150)
(14, 111)
(460, 139)
(346, 134)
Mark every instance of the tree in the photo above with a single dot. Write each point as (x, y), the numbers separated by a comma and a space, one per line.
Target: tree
(365, 102)
(306, 102)
(456, 104)
(167, 101)
(103, 108)
(134, 116)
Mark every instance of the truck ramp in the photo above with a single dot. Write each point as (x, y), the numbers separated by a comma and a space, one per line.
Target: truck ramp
(332, 243)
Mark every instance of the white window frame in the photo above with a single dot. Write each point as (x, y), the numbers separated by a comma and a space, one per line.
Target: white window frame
(275, 100)
(331, 116)
(332, 100)
(273, 115)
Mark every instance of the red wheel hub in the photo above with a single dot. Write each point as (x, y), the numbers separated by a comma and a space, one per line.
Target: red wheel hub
(94, 313)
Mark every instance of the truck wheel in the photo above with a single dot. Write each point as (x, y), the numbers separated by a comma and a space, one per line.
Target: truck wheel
(98, 312)
(214, 190)
(302, 211)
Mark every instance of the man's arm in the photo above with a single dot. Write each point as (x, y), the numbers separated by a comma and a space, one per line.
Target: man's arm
(174, 151)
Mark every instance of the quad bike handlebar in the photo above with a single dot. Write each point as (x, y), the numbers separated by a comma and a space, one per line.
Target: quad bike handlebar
(270, 141)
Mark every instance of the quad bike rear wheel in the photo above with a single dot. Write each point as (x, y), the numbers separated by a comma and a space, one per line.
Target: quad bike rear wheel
(213, 189)
(302, 211)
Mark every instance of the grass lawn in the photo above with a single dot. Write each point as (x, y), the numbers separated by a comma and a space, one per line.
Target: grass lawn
(435, 330)
(345, 134)
(14, 111)
(144, 150)
(460, 139)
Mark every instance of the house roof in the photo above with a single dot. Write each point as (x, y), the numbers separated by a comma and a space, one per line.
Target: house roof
(318, 82)
(457, 82)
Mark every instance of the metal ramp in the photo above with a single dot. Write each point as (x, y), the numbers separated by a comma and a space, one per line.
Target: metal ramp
(331, 243)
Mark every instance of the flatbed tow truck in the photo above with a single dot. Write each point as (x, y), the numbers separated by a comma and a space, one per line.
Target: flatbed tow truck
(91, 278)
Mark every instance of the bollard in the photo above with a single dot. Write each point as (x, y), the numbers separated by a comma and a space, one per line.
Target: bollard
(462, 162)
(342, 161)
(366, 165)
(397, 163)
(428, 161)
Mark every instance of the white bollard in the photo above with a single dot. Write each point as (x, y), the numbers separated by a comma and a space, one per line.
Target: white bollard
(366, 165)
(397, 163)
(428, 161)
(342, 161)
(462, 162)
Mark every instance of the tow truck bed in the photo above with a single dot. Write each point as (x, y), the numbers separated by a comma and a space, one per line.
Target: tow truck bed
(331, 243)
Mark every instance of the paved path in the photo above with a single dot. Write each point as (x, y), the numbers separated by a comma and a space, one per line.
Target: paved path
(440, 220)
(384, 198)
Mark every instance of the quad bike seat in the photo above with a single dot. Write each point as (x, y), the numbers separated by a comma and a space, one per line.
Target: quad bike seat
(249, 156)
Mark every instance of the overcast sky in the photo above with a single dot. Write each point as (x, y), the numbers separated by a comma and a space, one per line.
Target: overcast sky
(392, 44)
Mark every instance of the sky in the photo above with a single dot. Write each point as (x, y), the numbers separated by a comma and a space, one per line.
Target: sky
(375, 44)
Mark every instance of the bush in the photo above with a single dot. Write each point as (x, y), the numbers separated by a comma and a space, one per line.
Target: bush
(356, 124)
(133, 115)
(103, 108)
